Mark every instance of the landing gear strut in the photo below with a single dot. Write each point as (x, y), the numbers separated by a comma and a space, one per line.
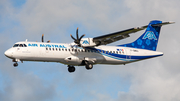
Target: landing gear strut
(71, 68)
(15, 64)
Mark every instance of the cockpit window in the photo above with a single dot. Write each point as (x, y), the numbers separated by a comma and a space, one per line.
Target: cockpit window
(16, 45)
(20, 45)
(25, 45)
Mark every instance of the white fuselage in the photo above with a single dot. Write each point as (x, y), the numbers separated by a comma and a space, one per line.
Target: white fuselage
(73, 55)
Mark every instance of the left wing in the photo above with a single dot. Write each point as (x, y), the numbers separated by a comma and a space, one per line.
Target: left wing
(112, 37)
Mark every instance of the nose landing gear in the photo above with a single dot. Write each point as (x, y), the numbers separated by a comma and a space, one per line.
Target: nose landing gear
(15, 64)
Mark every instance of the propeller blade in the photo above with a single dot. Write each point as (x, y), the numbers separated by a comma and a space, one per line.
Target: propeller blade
(42, 38)
(77, 34)
(81, 37)
(73, 38)
(77, 41)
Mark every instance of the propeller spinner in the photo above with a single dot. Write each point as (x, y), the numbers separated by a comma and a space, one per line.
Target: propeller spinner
(77, 41)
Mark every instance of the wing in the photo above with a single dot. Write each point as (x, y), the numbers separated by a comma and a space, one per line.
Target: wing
(112, 37)
(109, 38)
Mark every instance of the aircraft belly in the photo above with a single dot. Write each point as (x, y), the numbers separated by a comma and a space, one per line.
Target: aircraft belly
(113, 60)
(79, 57)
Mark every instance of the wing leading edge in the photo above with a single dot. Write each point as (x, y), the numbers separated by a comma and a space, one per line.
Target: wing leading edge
(113, 37)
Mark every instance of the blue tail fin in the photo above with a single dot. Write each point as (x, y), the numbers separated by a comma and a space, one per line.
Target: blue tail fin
(149, 39)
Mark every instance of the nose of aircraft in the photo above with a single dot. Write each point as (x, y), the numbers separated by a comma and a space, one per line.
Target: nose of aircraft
(7, 53)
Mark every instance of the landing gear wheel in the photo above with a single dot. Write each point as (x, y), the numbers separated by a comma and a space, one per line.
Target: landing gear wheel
(89, 66)
(71, 69)
(15, 64)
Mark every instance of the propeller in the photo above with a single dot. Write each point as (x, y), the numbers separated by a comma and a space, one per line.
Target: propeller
(42, 39)
(77, 39)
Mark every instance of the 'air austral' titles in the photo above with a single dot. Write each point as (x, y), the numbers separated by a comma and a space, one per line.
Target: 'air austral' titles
(47, 45)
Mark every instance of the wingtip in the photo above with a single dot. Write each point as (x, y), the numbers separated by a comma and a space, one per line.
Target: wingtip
(171, 22)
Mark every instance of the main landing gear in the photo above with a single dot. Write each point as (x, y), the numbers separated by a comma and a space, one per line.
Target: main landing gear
(71, 68)
(88, 66)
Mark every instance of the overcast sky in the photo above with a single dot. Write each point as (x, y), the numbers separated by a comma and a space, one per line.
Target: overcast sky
(156, 79)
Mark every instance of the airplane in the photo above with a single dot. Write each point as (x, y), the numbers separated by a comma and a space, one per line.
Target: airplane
(90, 51)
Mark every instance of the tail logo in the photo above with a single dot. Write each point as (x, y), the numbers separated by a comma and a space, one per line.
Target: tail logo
(150, 35)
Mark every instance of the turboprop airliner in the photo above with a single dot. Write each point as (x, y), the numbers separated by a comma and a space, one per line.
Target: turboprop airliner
(90, 51)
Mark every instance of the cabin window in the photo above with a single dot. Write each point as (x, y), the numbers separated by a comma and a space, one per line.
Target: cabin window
(65, 49)
(62, 49)
(46, 48)
(75, 50)
(49, 48)
(117, 52)
(69, 50)
(72, 50)
(59, 49)
(82, 50)
(56, 49)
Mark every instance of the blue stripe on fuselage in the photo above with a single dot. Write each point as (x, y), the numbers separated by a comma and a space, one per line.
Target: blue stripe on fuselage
(123, 57)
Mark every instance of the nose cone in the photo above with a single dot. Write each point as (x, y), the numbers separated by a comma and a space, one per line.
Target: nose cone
(8, 53)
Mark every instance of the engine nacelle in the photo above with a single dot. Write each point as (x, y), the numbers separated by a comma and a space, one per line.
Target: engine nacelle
(88, 42)
(73, 60)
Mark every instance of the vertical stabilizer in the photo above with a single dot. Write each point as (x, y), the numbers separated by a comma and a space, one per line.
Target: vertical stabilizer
(149, 39)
